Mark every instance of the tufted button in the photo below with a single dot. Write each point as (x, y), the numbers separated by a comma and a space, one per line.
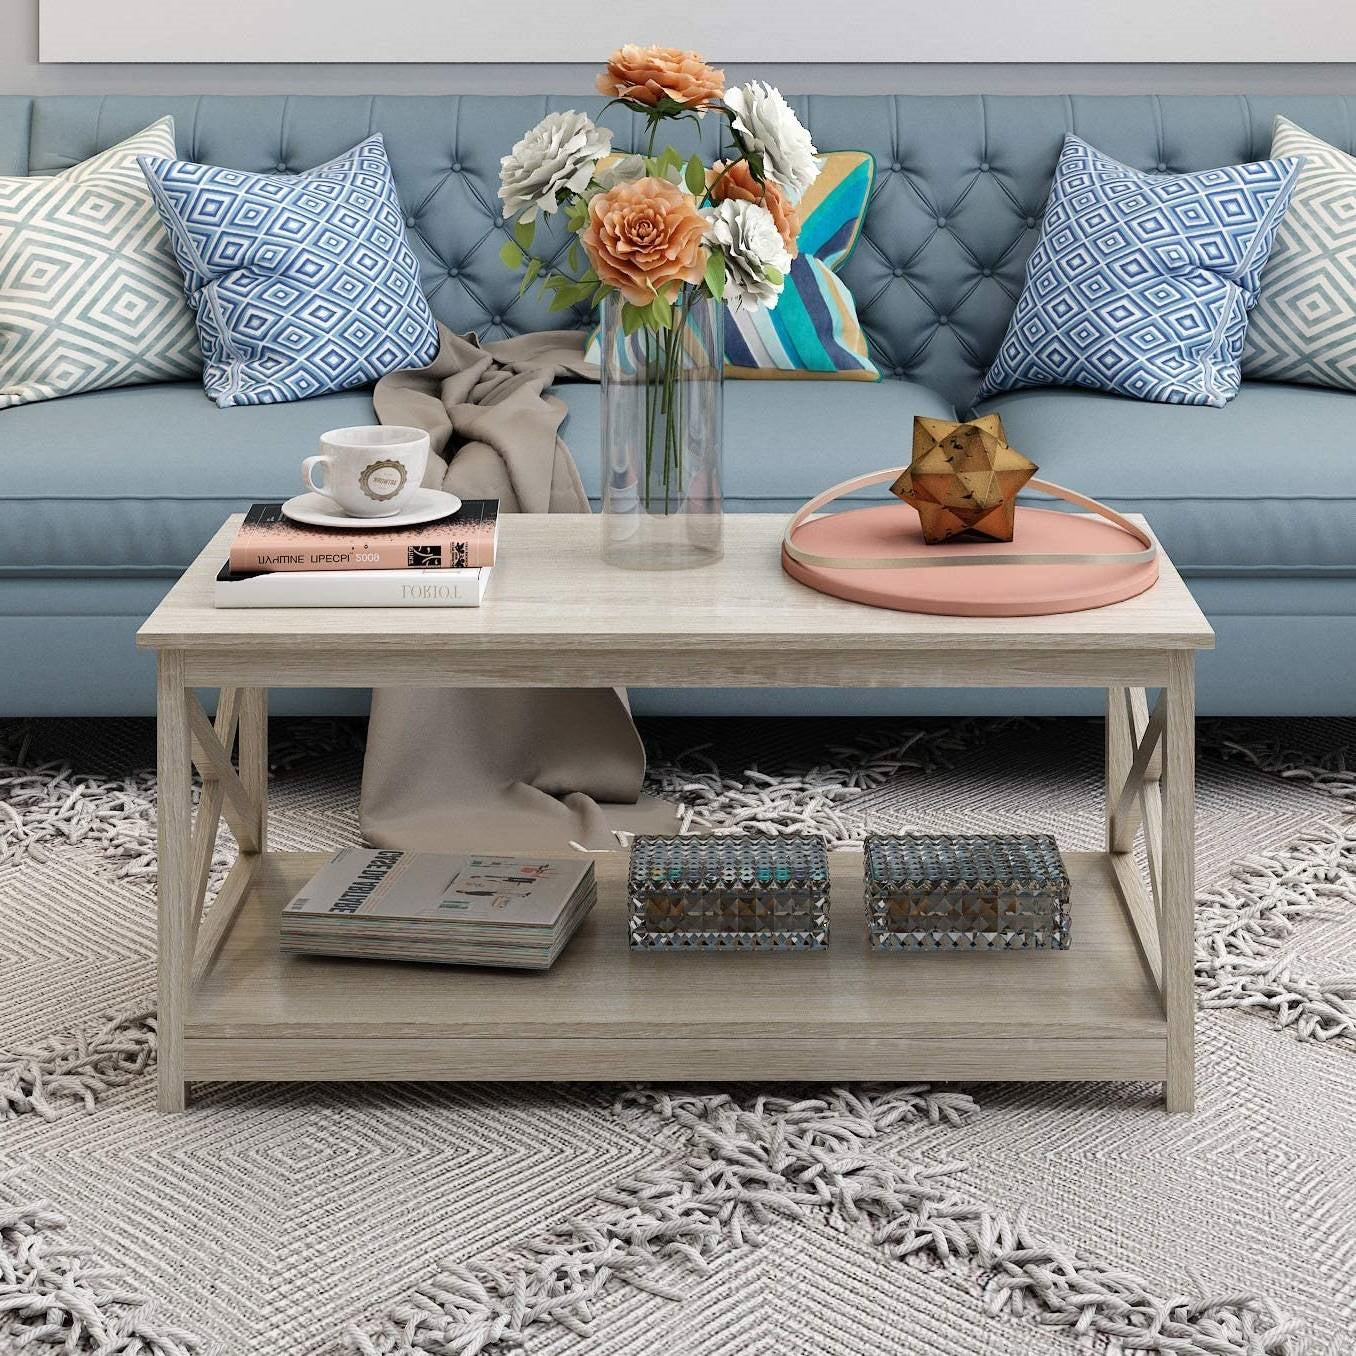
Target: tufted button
(943, 319)
(898, 272)
(984, 166)
(409, 221)
(896, 166)
(499, 221)
(941, 223)
(1030, 221)
(452, 272)
(1162, 168)
(899, 371)
(496, 319)
(987, 272)
(456, 167)
(280, 167)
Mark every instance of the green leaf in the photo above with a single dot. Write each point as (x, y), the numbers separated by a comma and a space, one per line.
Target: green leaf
(633, 318)
(576, 215)
(660, 313)
(575, 256)
(523, 233)
(511, 255)
(533, 268)
(695, 176)
(773, 275)
(715, 274)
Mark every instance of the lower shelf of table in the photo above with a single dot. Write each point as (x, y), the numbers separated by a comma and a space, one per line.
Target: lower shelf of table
(606, 1012)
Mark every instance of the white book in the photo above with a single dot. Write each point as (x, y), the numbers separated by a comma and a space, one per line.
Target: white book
(353, 588)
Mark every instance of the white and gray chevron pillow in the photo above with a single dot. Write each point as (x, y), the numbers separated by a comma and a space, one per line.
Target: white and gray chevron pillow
(1303, 327)
(90, 293)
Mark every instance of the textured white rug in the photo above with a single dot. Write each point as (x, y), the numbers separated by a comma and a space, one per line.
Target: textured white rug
(310, 1220)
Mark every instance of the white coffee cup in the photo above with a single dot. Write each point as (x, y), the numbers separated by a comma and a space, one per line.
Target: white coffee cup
(370, 471)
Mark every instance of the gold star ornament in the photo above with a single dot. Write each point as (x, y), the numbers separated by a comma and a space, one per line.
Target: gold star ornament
(963, 478)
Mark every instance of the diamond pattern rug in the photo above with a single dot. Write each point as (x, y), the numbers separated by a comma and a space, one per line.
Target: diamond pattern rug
(995, 1220)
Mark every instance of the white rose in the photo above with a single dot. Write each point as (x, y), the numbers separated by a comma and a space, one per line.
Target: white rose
(625, 169)
(746, 234)
(767, 124)
(555, 159)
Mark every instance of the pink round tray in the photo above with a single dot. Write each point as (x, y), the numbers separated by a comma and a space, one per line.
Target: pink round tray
(993, 591)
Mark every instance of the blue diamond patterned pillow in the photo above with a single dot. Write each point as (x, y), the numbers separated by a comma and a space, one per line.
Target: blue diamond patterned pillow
(301, 284)
(1140, 284)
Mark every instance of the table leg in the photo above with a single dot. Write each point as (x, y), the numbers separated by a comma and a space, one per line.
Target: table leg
(1178, 879)
(254, 754)
(175, 887)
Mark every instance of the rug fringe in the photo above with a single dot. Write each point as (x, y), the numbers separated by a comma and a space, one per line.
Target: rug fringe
(751, 1160)
(1329, 772)
(58, 1297)
(788, 800)
(76, 1067)
(1243, 925)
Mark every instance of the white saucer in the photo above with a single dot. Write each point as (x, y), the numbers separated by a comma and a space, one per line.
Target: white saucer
(319, 510)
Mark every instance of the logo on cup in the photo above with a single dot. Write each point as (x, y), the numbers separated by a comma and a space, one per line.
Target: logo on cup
(382, 480)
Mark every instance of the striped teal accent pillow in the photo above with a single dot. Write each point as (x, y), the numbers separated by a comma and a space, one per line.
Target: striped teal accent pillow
(813, 331)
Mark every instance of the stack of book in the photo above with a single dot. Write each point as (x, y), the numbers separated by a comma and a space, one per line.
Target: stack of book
(275, 562)
(517, 912)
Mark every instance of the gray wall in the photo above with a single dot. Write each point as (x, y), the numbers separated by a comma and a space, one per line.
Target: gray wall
(20, 73)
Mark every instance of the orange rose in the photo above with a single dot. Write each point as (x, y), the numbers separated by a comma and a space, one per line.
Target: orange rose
(645, 75)
(738, 183)
(645, 238)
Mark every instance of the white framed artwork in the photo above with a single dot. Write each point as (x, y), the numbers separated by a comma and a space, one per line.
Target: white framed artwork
(750, 31)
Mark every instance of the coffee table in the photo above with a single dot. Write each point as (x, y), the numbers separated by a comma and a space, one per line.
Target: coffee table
(1118, 1005)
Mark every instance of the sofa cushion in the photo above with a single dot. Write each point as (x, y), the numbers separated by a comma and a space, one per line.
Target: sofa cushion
(302, 284)
(135, 480)
(1141, 283)
(1264, 486)
(90, 295)
(1303, 327)
(784, 441)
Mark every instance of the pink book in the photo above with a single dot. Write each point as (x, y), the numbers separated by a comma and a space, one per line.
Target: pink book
(267, 542)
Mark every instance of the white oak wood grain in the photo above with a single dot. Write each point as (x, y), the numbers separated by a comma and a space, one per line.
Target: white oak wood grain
(669, 665)
(213, 761)
(552, 595)
(604, 1011)
(1140, 907)
(1127, 812)
(176, 898)
(548, 1059)
(1118, 1005)
(219, 919)
(254, 758)
(1177, 880)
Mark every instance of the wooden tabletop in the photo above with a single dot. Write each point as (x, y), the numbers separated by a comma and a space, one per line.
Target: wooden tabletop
(551, 588)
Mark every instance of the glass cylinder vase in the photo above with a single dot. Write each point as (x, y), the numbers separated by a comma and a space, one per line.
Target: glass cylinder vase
(662, 434)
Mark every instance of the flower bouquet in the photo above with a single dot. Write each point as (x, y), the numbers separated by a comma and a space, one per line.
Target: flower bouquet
(661, 243)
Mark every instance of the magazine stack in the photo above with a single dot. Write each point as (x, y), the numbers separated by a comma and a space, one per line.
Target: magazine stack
(472, 909)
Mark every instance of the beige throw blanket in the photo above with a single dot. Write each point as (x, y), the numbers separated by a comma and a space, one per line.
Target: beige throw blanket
(494, 769)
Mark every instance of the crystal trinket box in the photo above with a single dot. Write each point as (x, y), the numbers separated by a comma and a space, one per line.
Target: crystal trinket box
(965, 891)
(744, 893)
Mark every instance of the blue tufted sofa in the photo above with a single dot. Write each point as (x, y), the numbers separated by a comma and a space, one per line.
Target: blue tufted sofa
(105, 497)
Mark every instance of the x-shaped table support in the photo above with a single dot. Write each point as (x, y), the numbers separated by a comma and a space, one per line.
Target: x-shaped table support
(190, 936)
(1150, 790)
